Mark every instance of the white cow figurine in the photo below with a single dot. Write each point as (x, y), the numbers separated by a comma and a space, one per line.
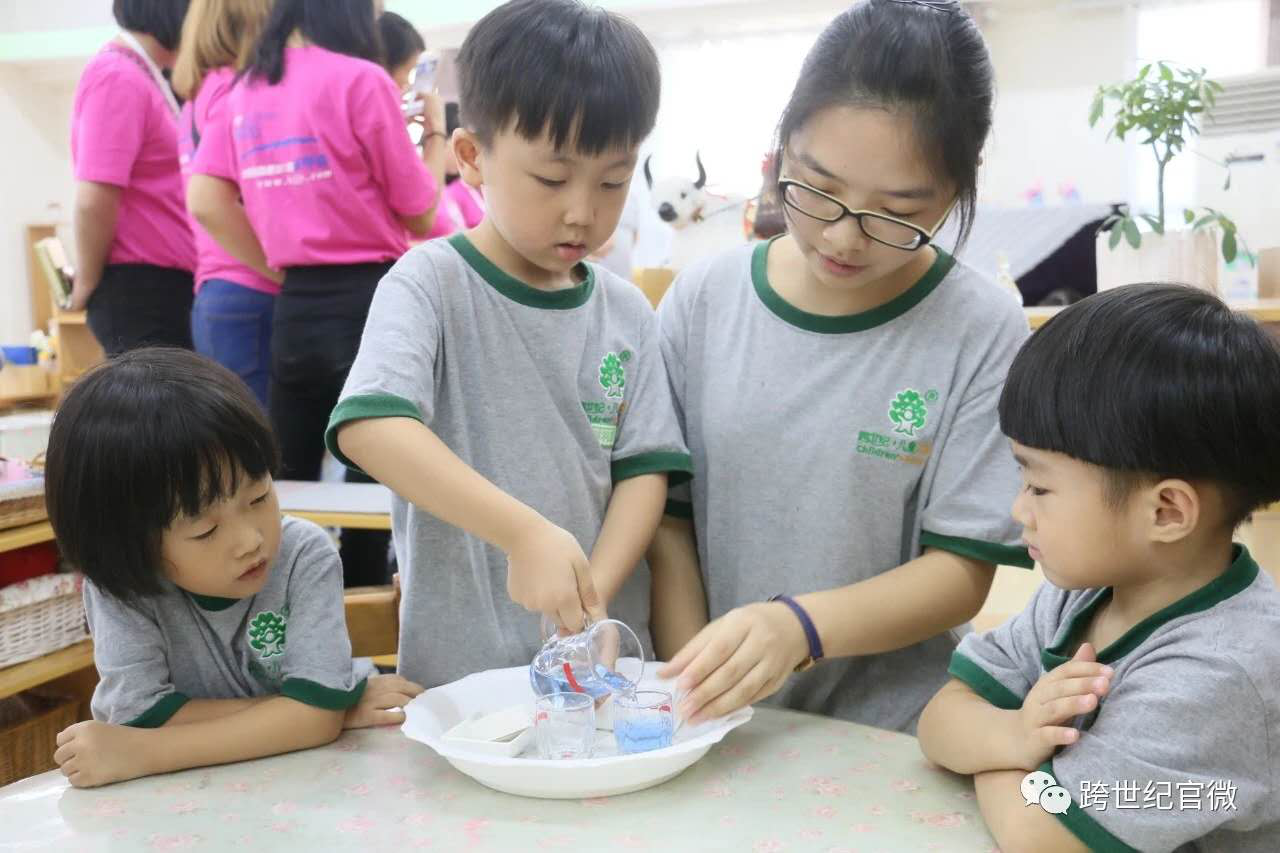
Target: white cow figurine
(705, 224)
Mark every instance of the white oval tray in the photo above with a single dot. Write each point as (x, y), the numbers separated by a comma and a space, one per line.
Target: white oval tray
(436, 711)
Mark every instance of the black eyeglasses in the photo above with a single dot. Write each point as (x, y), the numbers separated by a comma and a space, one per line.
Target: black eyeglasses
(888, 230)
(948, 6)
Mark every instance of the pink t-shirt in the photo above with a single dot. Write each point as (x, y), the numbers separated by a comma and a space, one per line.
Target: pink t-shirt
(448, 218)
(322, 159)
(469, 202)
(212, 261)
(124, 134)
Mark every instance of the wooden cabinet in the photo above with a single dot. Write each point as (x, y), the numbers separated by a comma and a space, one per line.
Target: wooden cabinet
(77, 349)
(41, 301)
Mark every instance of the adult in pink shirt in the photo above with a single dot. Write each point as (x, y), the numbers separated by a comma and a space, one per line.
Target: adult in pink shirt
(467, 200)
(402, 48)
(134, 250)
(235, 302)
(312, 138)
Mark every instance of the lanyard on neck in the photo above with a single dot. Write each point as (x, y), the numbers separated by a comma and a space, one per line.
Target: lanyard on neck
(156, 75)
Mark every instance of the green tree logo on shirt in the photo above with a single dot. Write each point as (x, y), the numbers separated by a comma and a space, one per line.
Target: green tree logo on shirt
(613, 376)
(266, 633)
(908, 412)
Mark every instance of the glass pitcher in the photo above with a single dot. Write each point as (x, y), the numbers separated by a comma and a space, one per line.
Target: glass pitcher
(604, 659)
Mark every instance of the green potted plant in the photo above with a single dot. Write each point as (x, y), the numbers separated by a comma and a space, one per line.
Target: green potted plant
(1162, 105)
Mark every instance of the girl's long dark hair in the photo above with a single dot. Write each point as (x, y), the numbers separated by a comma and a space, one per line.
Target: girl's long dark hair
(342, 26)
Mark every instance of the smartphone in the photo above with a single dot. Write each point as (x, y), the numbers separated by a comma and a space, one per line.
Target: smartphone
(424, 74)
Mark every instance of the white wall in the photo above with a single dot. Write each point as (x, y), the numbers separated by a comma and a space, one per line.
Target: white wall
(35, 110)
(728, 67)
(30, 16)
(1196, 178)
(1049, 60)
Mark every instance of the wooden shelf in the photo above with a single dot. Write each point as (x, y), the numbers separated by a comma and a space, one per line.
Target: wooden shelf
(350, 520)
(33, 673)
(30, 534)
(21, 399)
(78, 349)
(1262, 310)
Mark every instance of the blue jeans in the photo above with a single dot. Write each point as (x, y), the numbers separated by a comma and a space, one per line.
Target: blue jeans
(231, 324)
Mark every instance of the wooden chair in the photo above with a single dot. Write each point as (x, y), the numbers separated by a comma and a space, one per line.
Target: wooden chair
(654, 281)
(373, 622)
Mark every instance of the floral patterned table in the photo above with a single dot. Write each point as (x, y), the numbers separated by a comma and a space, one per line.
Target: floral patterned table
(783, 782)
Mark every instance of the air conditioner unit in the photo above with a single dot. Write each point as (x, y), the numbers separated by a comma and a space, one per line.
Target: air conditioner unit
(1242, 132)
(1248, 103)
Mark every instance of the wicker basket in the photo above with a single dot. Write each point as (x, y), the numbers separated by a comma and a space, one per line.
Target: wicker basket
(22, 503)
(29, 726)
(40, 616)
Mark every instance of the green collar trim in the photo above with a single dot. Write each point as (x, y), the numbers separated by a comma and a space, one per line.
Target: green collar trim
(515, 289)
(317, 695)
(988, 552)
(1237, 578)
(677, 466)
(213, 602)
(159, 713)
(845, 323)
(679, 509)
(360, 407)
(983, 683)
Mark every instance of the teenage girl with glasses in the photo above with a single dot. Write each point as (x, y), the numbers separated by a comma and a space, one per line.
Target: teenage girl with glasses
(838, 387)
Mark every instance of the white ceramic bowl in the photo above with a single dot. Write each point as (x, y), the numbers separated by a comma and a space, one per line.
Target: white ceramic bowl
(436, 711)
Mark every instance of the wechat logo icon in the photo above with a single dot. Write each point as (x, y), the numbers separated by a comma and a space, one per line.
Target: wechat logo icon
(1039, 788)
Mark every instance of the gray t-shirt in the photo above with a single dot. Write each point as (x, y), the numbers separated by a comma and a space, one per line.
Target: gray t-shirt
(554, 396)
(828, 450)
(289, 639)
(1183, 753)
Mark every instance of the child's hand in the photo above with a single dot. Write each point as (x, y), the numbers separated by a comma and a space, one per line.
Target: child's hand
(379, 705)
(93, 753)
(548, 572)
(1066, 692)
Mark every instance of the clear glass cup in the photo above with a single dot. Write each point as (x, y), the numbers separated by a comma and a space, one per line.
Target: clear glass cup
(642, 721)
(564, 725)
(605, 659)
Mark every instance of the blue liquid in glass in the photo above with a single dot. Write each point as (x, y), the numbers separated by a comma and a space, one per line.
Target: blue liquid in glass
(615, 682)
(597, 685)
(643, 734)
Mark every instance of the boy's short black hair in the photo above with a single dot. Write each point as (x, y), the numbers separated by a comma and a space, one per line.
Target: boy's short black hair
(160, 19)
(586, 76)
(148, 436)
(401, 41)
(1150, 381)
